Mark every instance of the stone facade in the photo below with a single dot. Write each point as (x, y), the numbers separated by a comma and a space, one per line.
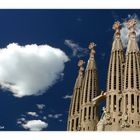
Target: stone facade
(122, 110)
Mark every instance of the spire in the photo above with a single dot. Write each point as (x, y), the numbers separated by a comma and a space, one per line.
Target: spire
(89, 113)
(131, 92)
(80, 74)
(73, 119)
(116, 27)
(132, 43)
(132, 67)
(117, 44)
(92, 46)
(91, 62)
(80, 65)
(116, 61)
(115, 81)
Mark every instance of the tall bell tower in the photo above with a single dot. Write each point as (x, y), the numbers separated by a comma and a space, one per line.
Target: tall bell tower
(89, 112)
(73, 118)
(115, 82)
(131, 92)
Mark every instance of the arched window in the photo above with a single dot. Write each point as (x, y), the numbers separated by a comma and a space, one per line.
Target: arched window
(115, 71)
(132, 74)
(132, 103)
(138, 103)
(78, 102)
(90, 94)
(72, 125)
(120, 105)
(77, 121)
(89, 112)
(120, 82)
(93, 112)
(114, 102)
(109, 102)
(126, 102)
(85, 113)
(127, 63)
(110, 72)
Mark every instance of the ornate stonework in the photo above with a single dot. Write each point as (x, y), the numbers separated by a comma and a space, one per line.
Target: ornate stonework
(122, 96)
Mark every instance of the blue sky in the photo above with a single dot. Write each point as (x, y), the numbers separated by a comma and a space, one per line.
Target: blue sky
(60, 29)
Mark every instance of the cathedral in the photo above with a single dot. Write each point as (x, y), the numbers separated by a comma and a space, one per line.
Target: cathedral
(122, 95)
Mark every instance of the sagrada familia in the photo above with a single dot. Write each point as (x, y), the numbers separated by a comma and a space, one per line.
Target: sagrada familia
(122, 96)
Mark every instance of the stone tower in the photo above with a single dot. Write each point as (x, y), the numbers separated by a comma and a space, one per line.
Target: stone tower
(73, 118)
(131, 91)
(115, 82)
(89, 112)
(122, 111)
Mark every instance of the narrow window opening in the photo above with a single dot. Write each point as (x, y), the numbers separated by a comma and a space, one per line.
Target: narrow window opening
(93, 112)
(138, 103)
(132, 103)
(109, 102)
(72, 125)
(114, 102)
(127, 102)
(85, 113)
(77, 121)
(119, 105)
(114, 119)
(89, 113)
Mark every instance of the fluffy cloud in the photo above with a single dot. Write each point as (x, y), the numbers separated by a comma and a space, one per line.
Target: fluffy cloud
(67, 97)
(2, 127)
(44, 118)
(30, 69)
(124, 29)
(21, 120)
(55, 116)
(76, 49)
(35, 125)
(32, 114)
(40, 106)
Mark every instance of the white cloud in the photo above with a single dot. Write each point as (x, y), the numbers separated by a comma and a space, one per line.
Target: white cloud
(21, 120)
(124, 29)
(32, 114)
(2, 127)
(67, 97)
(30, 69)
(55, 116)
(44, 118)
(76, 49)
(35, 125)
(40, 106)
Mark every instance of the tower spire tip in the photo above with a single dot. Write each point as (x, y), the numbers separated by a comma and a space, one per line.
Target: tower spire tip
(131, 23)
(116, 25)
(81, 63)
(92, 45)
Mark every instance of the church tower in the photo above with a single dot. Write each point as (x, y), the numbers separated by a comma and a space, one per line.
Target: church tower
(73, 118)
(115, 83)
(131, 92)
(122, 96)
(89, 112)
